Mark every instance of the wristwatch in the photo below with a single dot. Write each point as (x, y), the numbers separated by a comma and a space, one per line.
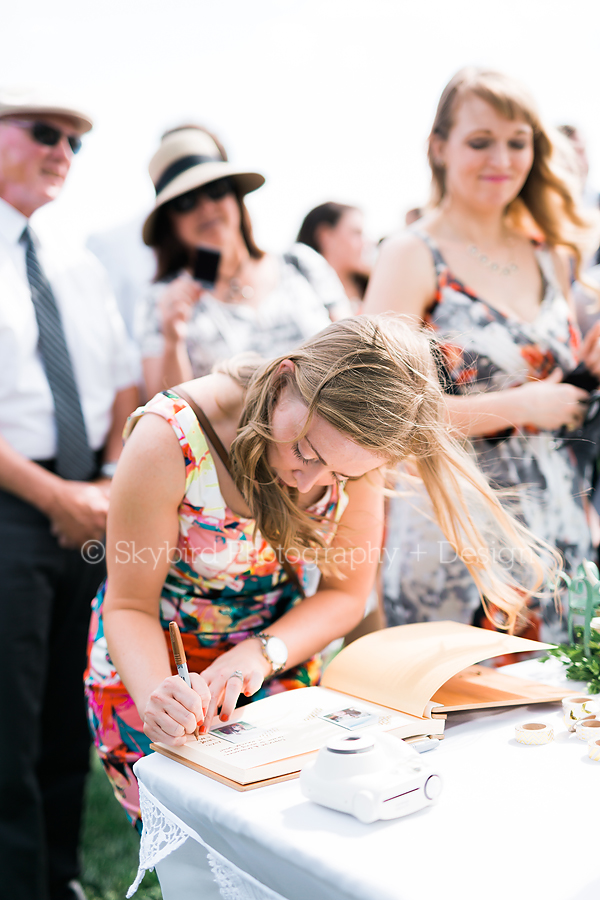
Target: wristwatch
(274, 650)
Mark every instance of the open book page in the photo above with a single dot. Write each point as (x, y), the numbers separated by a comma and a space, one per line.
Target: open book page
(403, 667)
(265, 738)
(480, 687)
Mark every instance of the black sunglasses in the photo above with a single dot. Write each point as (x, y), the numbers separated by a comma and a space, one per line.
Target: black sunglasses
(48, 135)
(214, 190)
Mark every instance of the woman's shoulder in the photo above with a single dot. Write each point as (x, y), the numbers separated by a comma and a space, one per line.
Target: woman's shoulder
(404, 277)
(412, 248)
(411, 238)
(221, 399)
(309, 263)
(177, 413)
(301, 260)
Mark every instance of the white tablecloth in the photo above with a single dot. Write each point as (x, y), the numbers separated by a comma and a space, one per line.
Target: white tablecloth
(512, 820)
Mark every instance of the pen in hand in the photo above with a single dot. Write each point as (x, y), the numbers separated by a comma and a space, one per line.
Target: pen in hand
(179, 655)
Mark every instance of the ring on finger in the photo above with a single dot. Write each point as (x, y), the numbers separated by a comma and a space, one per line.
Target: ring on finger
(236, 674)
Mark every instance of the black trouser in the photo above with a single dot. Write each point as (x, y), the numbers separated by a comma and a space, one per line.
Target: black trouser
(45, 595)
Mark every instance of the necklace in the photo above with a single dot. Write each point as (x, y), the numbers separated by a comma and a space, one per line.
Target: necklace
(498, 268)
(238, 291)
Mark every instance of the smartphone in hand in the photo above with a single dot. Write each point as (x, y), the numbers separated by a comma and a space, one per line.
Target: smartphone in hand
(582, 378)
(206, 266)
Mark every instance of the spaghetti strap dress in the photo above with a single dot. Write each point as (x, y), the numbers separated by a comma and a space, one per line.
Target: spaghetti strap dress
(224, 584)
(486, 350)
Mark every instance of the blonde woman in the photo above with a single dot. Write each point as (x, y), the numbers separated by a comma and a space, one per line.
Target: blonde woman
(488, 270)
(201, 534)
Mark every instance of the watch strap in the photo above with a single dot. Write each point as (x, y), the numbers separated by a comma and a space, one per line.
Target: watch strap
(263, 637)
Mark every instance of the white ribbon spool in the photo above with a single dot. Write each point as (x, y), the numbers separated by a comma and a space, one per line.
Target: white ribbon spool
(588, 729)
(594, 749)
(534, 733)
(575, 708)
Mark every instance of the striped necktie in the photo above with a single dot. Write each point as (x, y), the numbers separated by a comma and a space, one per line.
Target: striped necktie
(75, 459)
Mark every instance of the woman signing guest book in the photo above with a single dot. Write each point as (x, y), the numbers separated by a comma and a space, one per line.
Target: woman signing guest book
(214, 520)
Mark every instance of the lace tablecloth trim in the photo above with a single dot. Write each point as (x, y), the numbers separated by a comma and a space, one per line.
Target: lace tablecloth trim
(164, 832)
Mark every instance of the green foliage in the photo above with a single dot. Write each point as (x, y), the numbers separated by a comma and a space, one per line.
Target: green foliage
(110, 846)
(579, 666)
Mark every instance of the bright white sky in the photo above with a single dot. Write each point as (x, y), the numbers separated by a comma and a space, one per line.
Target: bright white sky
(330, 99)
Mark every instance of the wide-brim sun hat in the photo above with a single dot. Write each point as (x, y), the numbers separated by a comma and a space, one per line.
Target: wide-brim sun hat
(187, 159)
(26, 100)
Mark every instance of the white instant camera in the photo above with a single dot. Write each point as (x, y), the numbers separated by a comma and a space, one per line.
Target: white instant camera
(371, 777)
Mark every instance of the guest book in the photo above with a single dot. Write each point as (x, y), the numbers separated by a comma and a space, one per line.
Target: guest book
(401, 680)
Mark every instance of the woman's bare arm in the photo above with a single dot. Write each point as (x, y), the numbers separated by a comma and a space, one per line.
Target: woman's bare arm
(142, 532)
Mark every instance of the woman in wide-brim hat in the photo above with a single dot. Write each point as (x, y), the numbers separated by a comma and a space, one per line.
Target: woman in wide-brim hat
(258, 302)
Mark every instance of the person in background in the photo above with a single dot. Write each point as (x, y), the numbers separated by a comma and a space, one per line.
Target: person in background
(580, 164)
(336, 231)
(577, 164)
(487, 269)
(65, 393)
(413, 215)
(129, 264)
(259, 302)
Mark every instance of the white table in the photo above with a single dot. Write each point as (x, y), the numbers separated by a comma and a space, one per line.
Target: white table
(512, 821)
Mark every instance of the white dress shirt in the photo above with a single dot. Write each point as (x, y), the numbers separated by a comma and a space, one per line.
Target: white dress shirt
(94, 333)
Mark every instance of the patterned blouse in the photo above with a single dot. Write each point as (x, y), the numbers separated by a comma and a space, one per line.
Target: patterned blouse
(292, 312)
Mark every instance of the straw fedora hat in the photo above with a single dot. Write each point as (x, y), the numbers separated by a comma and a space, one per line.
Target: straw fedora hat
(186, 159)
(19, 101)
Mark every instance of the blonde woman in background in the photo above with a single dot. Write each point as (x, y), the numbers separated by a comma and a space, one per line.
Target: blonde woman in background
(488, 270)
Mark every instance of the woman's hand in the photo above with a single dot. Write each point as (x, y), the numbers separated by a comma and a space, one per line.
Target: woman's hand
(548, 404)
(242, 669)
(174, 710)
(590, 349)
(175, 307)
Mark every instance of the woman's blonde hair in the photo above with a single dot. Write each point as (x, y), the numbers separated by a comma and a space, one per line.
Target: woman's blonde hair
(545, 195)
(375, 380)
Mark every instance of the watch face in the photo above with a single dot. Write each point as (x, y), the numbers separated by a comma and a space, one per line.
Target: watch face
(277, 651)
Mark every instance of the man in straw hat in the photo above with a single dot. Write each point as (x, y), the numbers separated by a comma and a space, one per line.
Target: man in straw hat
(65, 390)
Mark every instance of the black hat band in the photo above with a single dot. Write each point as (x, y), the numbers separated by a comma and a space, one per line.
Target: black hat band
(182, 165)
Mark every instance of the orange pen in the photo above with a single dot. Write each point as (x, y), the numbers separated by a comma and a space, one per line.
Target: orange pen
(180, 661)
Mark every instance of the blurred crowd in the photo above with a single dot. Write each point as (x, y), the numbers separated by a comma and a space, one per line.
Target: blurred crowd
(500, 265)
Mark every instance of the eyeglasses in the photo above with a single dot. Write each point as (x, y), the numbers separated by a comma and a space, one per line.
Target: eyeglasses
(214, 190)
(48, 135)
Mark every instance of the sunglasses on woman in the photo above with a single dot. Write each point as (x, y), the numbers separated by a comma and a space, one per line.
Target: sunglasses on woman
(214, 190)
(48, 135)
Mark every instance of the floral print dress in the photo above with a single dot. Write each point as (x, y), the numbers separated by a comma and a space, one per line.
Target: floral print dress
(224, 584)
(486, 350)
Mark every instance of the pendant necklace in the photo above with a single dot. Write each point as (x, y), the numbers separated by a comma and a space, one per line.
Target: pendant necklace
(237, 290)
(496, 267)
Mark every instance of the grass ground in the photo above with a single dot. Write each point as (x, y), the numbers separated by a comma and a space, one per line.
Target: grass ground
(110, 846)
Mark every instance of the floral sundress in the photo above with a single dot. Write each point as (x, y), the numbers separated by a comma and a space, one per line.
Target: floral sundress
(223, 585)
(486, 350)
